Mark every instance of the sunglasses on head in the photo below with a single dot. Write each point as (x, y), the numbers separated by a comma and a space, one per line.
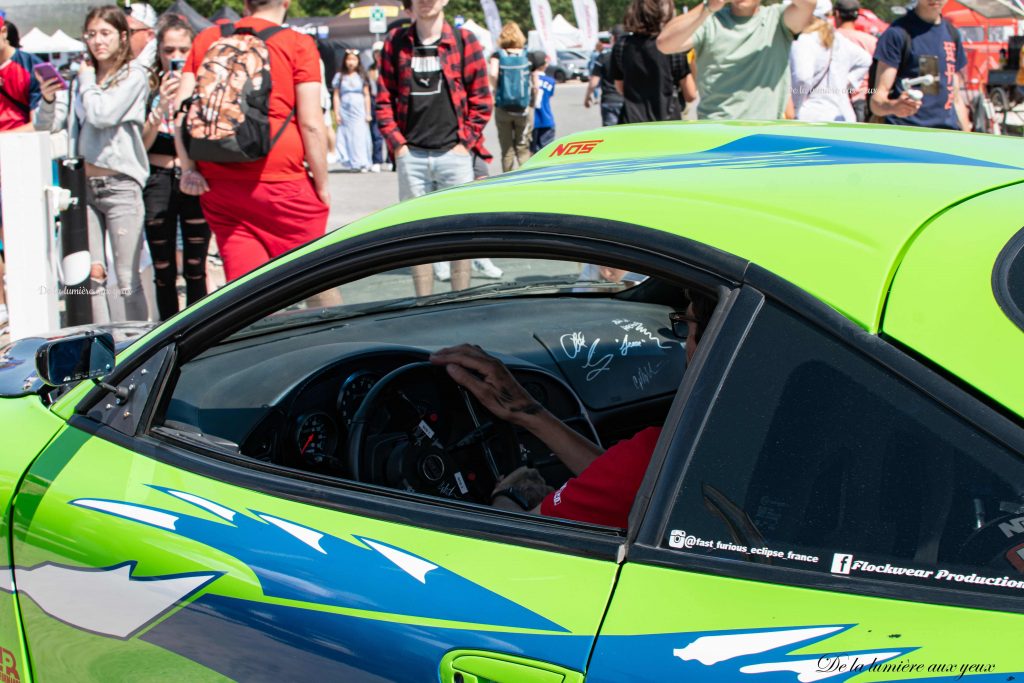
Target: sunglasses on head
(352, 51)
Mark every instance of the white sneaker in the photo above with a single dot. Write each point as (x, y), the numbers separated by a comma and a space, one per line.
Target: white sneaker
(332, 158)
(375, 168)
(485, 269)
(442, 271)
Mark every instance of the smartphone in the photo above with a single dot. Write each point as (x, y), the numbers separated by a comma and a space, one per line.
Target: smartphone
(46, 71)
(177, 64)
(929, 64)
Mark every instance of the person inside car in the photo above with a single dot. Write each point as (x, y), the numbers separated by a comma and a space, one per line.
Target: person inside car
(604, 482)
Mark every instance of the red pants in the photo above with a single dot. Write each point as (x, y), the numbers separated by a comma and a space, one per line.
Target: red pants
(255, 222)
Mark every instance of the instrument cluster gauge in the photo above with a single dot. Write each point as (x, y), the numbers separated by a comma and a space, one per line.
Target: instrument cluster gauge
(353, 391)
(316, 436)
(537, 391)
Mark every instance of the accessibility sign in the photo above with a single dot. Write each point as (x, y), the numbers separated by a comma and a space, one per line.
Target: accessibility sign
(378, 20)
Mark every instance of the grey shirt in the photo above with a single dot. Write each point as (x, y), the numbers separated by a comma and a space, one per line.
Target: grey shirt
(106, 128)
(743, 65)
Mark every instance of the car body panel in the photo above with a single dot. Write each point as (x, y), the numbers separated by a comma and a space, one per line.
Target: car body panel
(760, 192)
(35, 427)
(942, 303)
(237, 583)
(666, 624)
(755, 190)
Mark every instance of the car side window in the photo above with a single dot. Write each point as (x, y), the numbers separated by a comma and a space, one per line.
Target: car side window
(816, 457)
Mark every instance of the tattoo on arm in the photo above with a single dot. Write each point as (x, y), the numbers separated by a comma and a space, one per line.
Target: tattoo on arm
(506, 400)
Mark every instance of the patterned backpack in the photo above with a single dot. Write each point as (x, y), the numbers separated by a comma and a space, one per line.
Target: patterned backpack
(227, 119)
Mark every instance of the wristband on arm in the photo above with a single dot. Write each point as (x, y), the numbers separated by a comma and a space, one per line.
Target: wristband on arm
(514, 496)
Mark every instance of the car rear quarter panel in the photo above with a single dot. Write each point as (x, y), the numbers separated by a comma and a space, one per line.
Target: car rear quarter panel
(942, 304)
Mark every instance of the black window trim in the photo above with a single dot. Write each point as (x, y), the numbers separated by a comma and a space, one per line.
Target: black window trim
(557, 236)
(645, 546)
(692, 404)
(1012, 252)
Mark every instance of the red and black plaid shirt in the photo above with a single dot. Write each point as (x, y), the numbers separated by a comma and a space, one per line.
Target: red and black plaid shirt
(470, 90)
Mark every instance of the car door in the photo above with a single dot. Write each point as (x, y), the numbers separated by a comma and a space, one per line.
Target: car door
(139, 557)
(828, 507)
(130, 567)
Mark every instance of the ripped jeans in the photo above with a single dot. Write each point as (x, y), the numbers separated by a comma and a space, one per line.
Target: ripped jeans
(114, 209)
(166, 206)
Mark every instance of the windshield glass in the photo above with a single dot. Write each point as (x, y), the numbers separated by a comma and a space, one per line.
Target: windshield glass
(434, 284)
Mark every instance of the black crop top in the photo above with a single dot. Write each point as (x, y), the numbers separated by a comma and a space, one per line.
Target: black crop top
(164, 144)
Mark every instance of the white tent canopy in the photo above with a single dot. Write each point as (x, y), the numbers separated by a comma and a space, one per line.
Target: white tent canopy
(37, 42)
(482, 34)
(67, 43)
(566, 35)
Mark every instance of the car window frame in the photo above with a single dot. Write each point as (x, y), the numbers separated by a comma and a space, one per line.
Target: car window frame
(760, 286)
(1011, 254)
(551, 235)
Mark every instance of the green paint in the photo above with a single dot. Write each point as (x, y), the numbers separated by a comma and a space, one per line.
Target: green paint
(478, 666)
(64, 653)
(28, 426)
(942, 303)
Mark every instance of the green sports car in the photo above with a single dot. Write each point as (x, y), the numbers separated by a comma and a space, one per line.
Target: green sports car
(278, 484)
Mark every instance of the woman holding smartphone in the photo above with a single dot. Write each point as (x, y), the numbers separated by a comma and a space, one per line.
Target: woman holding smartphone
(166, 205)
(107, 114)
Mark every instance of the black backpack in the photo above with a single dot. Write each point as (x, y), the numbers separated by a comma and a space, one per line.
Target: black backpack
(902, 67)
(228, 116)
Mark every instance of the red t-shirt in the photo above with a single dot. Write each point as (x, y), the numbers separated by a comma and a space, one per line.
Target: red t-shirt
(604, 492)
(293, 60)
(19, 83)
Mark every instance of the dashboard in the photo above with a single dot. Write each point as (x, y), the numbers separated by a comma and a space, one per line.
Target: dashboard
(425, 434)
(294, 397)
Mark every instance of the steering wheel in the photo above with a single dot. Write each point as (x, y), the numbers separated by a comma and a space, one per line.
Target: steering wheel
(418, 430)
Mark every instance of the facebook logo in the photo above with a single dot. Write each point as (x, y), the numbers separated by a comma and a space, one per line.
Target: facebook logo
(841, 563)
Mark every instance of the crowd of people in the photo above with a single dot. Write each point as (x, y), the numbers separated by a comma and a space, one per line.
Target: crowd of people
(171, 146)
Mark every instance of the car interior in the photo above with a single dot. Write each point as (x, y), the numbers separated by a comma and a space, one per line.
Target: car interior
(340, 384)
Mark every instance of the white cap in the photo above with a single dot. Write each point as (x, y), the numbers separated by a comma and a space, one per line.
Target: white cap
(145, 13)
(822, 9)
(379, 45)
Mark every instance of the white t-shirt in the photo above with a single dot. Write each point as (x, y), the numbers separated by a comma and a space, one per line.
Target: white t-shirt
(823, 79)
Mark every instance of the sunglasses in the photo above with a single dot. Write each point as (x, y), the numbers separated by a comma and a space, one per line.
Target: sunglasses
(681, 324)
(352, 51)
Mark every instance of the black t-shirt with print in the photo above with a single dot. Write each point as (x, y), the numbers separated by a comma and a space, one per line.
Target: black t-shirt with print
(432, 122)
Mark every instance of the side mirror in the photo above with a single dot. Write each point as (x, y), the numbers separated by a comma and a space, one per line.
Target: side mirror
(72, 359)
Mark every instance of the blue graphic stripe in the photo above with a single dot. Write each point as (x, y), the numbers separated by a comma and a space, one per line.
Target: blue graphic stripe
(341, 573)
(752, 152)
(249, 641)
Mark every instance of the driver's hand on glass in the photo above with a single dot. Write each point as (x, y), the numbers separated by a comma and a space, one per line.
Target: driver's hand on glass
(493, 385)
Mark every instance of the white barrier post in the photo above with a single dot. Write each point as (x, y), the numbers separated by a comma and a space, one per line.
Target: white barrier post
(25, 173)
